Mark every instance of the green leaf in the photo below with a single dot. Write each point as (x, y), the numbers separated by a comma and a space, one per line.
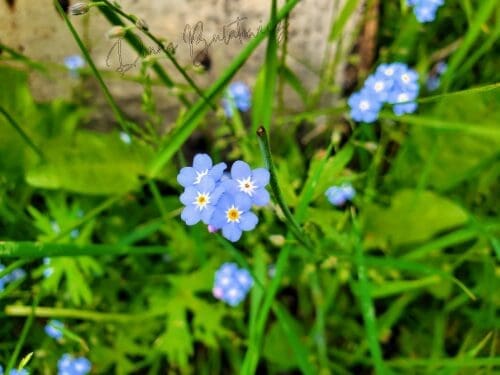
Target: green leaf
(412, 217)
(91, 163)
(277, 350)
(451, 152)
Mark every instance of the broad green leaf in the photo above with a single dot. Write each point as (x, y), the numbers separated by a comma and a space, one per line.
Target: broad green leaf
(449, 157)
(412, 217)
(90, 163)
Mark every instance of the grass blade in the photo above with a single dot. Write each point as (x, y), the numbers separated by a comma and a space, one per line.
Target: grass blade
(12, 249)
(193, 117)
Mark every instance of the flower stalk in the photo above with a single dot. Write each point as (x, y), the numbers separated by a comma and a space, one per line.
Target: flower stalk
(278, 195)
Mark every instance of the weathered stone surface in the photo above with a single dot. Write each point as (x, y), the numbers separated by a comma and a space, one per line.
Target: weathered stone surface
(37, 30)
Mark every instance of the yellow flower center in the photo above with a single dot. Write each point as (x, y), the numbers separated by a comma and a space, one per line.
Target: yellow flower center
(233, 214)
(202, 200)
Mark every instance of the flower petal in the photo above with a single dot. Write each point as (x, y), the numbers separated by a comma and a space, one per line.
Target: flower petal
(186, 176)
(217, 171)
(216, 194)
(190, 215)
(206, 214)
(248, 221)
(218, 219)
(240, 170)
(206, 185)
(261, 177)
(232, 232)
(202, 162)
(242, 201)
(189, 196)
(261, 197)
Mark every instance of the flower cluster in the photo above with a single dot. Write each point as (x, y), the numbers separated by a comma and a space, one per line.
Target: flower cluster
(339, 195)
(69, 365)
(54, 329)
(222, 201)
(434, 79)
(393, 83)
(15, 371)
(425, 10)
(15, 275)
(232, 284)
(237, 95)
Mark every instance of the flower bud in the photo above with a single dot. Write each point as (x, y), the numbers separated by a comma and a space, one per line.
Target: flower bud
(141, 24)
(116, 32)
(78, 9)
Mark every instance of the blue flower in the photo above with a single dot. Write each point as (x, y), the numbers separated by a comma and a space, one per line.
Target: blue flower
(15, 275)
(202, 166)
(379, 85)
(252, 183)
(3, 280)
(365, 106)
(69, 365)
(403, 85)
(74, 233)
(425, 10)
(19, 372)
(74, 63)
(15, 371)
(237, 95)
(403, 103)
(433, 81)
(232, 215)
(339, 195)
(200, 201)
(53, 329)
(232, 284)
(125, 138)
(48, 270)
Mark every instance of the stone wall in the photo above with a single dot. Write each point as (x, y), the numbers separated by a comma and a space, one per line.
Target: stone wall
(35, 29)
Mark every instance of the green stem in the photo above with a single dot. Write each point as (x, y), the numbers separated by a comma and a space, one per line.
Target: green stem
(24, 334)
(366, 303)
(49, 312)
(21, 132)
(158, 42)
(294, 226)
(11, 249)
(194, 116)
(11, 267)
(114, 107)
(138, 46)
(255, 341)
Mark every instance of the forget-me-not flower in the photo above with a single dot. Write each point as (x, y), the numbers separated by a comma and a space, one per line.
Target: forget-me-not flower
(202, 166)
(339, 195)
(238, 95)
(15, 371)
(54, 329)
(200, 200)
(232, 284)
(232, 214)
(15, 275)
(250, 182)
(434, 79)
(74, 63)
(365, 106)
(48, 270)
(69, 365)
(425, 10)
